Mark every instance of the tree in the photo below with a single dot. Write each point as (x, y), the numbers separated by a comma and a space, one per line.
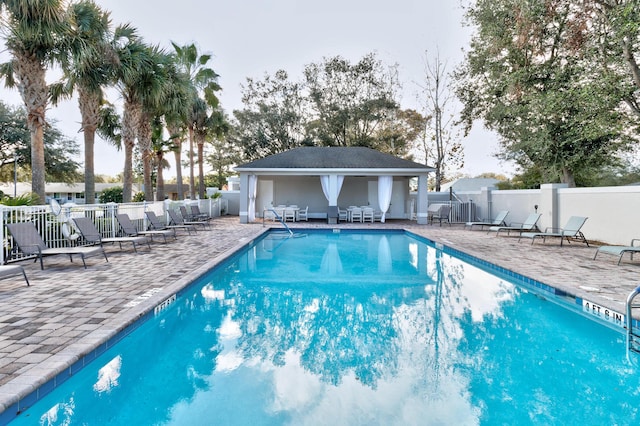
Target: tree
(37, 33)
(439, 142)
(136, 66)
(533, 76)
(274, 117)
(205, 85)
(351, 102)
(337, 104)
(159, 146)
(89, 70)
(15, 149)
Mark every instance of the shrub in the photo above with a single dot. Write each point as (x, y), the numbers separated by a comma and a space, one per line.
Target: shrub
(111, 195)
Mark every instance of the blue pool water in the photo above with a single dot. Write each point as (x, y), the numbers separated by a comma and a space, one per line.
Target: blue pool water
(354, 328)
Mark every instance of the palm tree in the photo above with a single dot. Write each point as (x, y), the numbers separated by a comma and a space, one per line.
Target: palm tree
(38, 31)
(160, 146)
(90, 69)
(136, 65)
(206, 127)
(204, 81)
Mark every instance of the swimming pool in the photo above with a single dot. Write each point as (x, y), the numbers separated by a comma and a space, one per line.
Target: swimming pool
(354, 328)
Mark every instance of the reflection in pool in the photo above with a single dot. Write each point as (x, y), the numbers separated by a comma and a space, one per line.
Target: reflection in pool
(354, 328)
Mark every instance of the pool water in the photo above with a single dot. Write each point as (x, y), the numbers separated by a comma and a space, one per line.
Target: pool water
(354, 328)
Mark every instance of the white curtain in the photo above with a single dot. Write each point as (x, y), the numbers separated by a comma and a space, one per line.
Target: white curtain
(385, 185)
(253, 188)
(326, 187)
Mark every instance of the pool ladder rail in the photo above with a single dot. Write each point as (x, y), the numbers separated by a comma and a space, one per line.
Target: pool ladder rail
(633, 335)
(281, 220)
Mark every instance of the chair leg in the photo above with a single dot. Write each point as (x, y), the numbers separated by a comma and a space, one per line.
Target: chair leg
(24, 274)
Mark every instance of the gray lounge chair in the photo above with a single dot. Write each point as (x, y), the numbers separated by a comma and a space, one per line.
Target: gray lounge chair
(91, 235)
(620, 250)
(529, 224)
(177, 219)
(129, 228)
(157, 225)
(30, 243)
(196, 214)
(571, 231)
(499, 220)
(7, 271)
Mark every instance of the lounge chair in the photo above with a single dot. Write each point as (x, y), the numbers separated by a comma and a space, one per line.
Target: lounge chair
(529, 224)
(497, 221)
(620, 250)
(30, 243)
(197, 214)
(128, 228)
(90, 234)
(177, 219)
(157, 225)
(7, 271)
(571, 231)
(190, 217)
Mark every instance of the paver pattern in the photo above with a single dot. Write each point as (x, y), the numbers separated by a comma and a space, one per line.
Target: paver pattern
(68, 310)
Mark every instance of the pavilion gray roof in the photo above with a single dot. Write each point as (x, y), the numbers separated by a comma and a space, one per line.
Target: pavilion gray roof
(332, 158)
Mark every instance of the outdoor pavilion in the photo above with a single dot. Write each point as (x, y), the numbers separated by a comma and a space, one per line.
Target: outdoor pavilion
(321, 177)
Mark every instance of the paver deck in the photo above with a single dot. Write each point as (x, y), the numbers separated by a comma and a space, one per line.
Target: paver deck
(68, 310)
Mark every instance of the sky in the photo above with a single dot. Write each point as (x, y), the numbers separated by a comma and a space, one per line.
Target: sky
(250, 38)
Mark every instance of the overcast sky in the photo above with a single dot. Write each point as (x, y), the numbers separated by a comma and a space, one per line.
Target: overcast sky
(249, 38)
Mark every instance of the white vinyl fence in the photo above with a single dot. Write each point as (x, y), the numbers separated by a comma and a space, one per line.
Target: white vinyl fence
(57, 230)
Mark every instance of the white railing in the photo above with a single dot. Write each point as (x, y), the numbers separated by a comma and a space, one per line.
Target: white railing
(103, 216)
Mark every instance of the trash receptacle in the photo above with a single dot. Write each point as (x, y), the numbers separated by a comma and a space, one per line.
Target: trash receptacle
(332, 215)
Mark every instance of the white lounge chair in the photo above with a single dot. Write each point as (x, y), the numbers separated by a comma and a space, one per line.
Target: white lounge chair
(499, 220)
(633, 247)
(571, 231)
(529, 224)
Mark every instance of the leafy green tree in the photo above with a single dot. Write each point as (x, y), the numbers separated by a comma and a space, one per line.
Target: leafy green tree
(533, 76)
(15, 146)
(336, 104)
(350, 101)
(37, 31)
(273, 119)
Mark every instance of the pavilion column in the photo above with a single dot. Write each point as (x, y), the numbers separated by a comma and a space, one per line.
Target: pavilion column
(244, 198)
(422, 199)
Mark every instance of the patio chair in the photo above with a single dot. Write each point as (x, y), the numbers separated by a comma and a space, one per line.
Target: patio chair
(571, 231)
(129, 228)
(440, 214)
(367, 214)
(304, 214)
(343, 215)
(529, 224)
(7, 271)
(157, 225)
(177, 219)
(619, 251)
(90, 234)
(497, 221)
(30, 243)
